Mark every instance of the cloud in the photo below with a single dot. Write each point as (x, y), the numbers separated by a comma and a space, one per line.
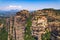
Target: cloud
(11, 7)
(14, 7)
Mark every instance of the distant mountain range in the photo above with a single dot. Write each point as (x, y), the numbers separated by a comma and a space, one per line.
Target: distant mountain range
(8, 13)
(4, 13)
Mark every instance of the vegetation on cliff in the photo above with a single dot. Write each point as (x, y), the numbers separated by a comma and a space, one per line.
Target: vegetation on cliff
(3, 32)
(46, 36)
(28, 35)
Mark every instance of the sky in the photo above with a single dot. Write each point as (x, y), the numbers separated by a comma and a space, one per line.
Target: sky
(29, 4)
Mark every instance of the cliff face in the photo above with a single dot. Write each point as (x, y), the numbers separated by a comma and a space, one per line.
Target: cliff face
(39, 23)
(40, 20)
(49, 13)
(24, 13)
(17, 25)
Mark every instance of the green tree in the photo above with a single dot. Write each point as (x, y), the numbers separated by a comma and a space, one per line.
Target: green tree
(3, 34)
(28, 35)
(46, 36)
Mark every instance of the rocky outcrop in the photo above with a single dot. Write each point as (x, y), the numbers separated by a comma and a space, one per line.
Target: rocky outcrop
(40, 20)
